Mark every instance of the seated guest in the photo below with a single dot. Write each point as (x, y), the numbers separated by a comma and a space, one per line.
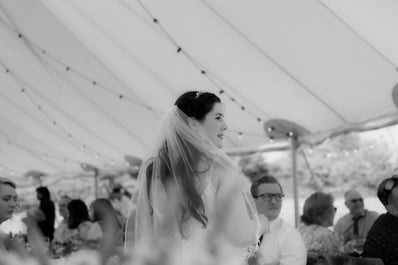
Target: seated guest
(62, 230)
(106, 222)
(382, 239)
(282, 244)
(79, 223)
(353, 227)
(45, 215)
(8, 204)
(318, 215)
(121, 200)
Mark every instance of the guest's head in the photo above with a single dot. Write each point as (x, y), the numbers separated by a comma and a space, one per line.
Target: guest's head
(388, 194)
(206, 113)
(8, 199)
(268, 195)
(319, 209)
(78, 213)
(63, 206)
(101, 209)
(354, 202)
(43, 193)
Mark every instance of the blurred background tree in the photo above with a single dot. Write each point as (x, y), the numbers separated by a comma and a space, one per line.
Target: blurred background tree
(335, 166)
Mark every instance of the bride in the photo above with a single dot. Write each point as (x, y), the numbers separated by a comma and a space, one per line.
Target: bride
(189, 181)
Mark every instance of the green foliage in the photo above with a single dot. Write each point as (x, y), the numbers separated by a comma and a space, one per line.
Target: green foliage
(337, 165)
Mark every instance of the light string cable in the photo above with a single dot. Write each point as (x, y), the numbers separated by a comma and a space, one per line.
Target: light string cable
(273, 61)
(120, 95)
(130, 55)
(42, 156)
(42, 159)
(46, 126)
(71, 138)
(112, 119)
(135, 136)
(205, 72)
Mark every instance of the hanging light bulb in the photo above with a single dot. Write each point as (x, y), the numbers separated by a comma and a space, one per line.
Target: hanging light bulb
(240, 135)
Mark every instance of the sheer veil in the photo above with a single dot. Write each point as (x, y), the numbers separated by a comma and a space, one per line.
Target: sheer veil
(181, 154)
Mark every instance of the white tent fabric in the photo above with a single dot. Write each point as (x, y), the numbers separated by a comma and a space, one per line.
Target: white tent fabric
(87, 81)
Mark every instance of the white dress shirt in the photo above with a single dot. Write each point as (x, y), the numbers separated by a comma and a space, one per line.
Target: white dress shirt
(283, 245)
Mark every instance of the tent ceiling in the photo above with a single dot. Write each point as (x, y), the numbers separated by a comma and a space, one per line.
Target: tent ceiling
(88, 80)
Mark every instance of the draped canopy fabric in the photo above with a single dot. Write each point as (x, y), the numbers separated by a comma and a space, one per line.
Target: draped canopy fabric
(87, 81)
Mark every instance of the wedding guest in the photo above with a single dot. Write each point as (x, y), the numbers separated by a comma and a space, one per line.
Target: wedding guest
(353, 227)
(62, 232)
(382, 239)
(282, 244)
(80, 224)
(8, 205)
(45, 215)
(318, 215)
(106, 223)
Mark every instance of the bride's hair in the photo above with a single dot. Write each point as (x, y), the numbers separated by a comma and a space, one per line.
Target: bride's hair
(195, 105)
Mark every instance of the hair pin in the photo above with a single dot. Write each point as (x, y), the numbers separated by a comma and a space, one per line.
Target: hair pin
(198, 94)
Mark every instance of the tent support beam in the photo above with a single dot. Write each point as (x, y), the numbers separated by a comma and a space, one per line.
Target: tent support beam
(293, 146)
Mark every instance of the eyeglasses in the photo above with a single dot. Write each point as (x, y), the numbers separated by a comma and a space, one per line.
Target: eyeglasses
(267, 197)
(356, 200)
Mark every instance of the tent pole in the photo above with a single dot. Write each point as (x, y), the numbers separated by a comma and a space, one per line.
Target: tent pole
(96, 173)
(293, 145)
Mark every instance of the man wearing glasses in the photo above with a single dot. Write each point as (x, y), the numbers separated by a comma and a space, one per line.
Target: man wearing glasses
(283, 244)
(353, 227)
(382, 239)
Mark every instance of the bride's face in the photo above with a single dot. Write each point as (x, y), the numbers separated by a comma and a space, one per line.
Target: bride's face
(214, 124)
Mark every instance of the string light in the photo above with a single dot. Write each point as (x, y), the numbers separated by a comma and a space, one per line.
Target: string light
(194, 62)
(119, 95)
(46, 114)
(81, 75)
